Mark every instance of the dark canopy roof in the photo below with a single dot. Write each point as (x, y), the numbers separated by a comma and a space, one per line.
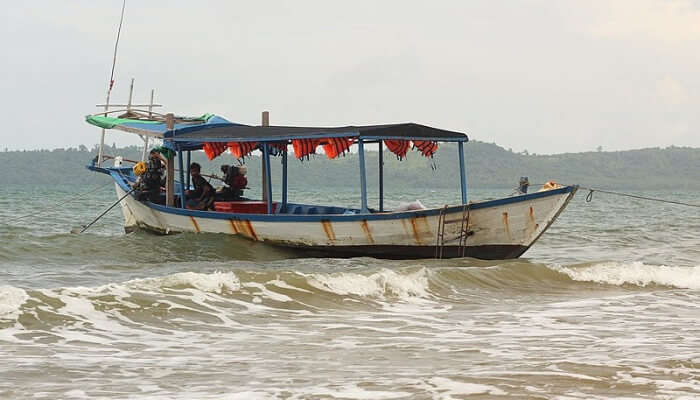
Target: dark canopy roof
(245, 133)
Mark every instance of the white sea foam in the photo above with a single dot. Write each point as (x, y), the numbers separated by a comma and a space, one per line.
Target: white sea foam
(11, 300)
(261, 290)
(381, 284)
(635, 273)
(216, 282)
(451, 388)
(353, 391)
(284, 285)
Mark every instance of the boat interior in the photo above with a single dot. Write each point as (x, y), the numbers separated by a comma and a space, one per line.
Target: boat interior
(252, 206)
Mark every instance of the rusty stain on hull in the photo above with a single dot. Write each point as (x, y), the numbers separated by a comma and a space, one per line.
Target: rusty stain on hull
(531, 225)
(365, 229)
(249, 229)
(415, 230)
(243, 227)
(328, 229)
(234, 227)
(506, 225)
(195, 224)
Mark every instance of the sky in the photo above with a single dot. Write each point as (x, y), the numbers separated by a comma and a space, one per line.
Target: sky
(543, 76)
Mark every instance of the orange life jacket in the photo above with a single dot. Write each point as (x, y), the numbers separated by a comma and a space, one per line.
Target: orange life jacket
(213, 149)
(426, 147)
(280, 146)
(305, 147)
(398, 147)
(241, 149)
(337, 146)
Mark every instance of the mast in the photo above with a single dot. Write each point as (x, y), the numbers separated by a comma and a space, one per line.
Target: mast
(100, 154)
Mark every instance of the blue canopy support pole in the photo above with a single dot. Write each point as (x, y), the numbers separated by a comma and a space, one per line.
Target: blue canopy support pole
(363, 177)
(381, 177)
(268, 181)
(170, 167)
(182, 179)
(462, 172)
(284, 181)
(264, 166)
(189, 157)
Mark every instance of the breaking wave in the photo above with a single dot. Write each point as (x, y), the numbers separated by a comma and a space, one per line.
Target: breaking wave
(635, 273)
(11, 299)
(382, 284)
(211, 295)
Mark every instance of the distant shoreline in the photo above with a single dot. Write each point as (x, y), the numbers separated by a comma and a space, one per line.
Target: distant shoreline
(488, 166)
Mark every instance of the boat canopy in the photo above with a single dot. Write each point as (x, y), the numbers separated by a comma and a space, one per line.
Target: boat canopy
(213, 128)
(246, 133)
(215, 135)
(154, 125)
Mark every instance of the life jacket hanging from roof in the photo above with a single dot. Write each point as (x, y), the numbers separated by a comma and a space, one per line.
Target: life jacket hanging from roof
(213, 149)
(398, 147)
(305, 147)
(277, 148)
(241, 149)
(426, 147)
(337, 146)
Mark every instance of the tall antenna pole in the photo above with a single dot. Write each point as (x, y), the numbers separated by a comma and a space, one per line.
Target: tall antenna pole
(111, 84)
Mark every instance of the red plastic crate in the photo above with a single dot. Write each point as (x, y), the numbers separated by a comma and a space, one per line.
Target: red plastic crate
(243, 207)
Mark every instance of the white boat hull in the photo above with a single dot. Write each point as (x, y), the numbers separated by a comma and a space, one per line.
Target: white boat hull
(498, 229)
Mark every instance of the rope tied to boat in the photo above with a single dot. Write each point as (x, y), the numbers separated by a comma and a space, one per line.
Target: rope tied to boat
(589, 197)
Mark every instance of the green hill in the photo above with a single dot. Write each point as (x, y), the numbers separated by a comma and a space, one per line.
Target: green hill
(488, 166)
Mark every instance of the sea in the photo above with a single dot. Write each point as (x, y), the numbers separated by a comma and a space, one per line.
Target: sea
(606, 305)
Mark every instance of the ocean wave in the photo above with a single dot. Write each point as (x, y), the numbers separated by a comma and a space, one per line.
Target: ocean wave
(634, 273)
(382, 284)
(215, 295)
(216, 282)
(11, 300)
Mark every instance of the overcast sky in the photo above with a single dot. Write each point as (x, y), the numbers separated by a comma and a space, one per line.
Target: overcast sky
(546, 76)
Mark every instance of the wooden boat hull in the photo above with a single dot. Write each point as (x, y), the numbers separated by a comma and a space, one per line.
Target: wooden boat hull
(496, 229)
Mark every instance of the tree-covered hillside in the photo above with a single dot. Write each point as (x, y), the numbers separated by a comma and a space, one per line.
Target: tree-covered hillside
(488, 165)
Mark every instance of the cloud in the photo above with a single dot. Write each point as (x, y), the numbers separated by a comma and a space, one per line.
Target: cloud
(671, 91)
(667, 21)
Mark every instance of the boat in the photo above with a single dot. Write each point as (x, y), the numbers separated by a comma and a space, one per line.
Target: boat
(495, 229)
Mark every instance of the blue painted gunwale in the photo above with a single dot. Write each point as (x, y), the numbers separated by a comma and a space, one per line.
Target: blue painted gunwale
(119, 178)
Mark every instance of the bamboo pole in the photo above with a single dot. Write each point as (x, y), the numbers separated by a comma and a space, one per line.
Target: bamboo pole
(145, 138)
(102, 136)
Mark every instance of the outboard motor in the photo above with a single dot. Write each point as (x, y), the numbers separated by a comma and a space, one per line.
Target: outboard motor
(523, 185)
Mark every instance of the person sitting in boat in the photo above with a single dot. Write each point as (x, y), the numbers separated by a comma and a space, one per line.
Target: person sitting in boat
(234, 178)
(148, 184)
(202, 197)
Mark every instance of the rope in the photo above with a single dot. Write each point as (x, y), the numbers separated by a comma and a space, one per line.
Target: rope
(78, 197)
(589, 197)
